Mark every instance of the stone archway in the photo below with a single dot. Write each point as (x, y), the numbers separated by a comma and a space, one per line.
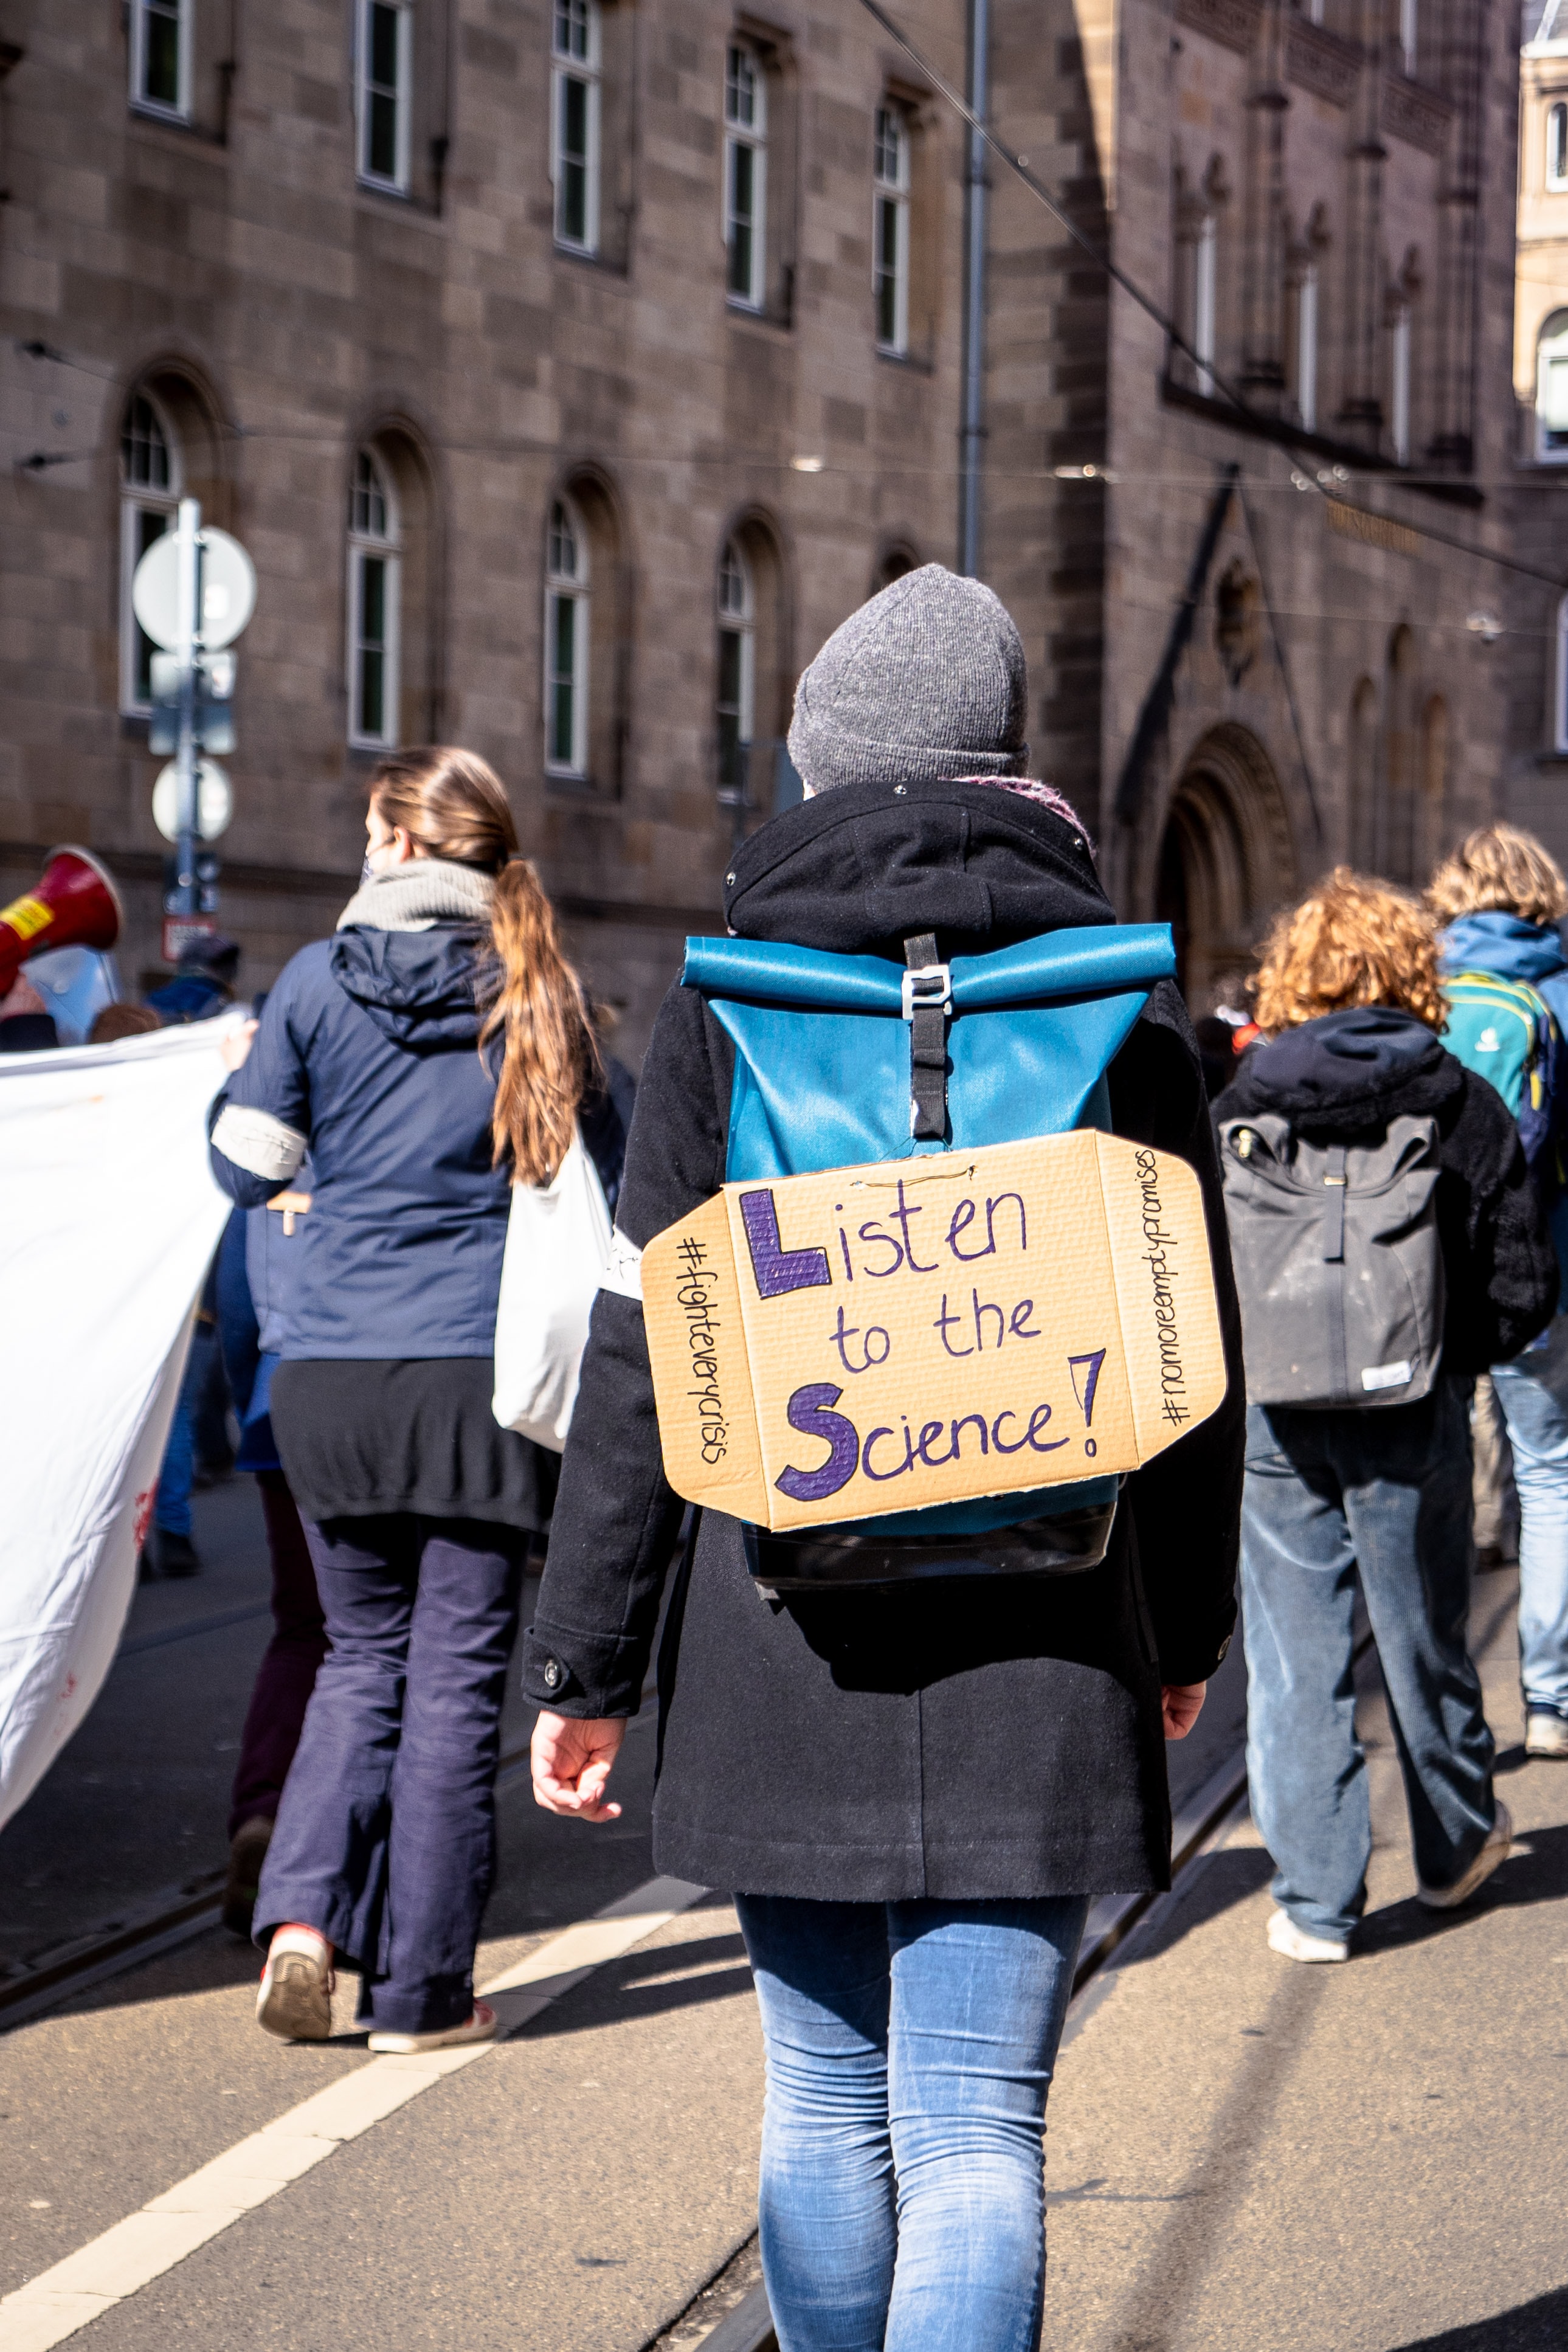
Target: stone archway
(1227, 861)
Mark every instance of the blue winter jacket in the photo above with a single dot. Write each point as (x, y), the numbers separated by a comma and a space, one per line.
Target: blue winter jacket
(367, 1056)
(1512, 949)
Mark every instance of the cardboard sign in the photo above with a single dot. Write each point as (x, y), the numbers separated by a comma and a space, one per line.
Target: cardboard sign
(877, 1339)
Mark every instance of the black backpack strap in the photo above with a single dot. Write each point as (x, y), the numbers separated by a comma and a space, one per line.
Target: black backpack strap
(1335, 1181)
(928, 1000)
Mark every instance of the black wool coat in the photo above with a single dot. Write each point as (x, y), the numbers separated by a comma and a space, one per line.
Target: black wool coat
(982, 1738)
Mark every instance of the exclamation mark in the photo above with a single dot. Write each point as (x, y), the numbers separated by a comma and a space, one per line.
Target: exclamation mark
(1085, 1372)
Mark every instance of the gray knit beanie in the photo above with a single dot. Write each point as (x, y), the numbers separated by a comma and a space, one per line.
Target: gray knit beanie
(924, 682)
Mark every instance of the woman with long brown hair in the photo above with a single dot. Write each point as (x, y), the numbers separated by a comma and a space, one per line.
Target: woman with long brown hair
(433, 1052)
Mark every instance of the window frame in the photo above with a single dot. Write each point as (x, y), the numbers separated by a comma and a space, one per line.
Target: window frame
(137, 500)
(574, 588)
(890, 205)
(588, 72)
(1409, 35)
(163, 109)
(1550, 340)
(1206, 301)
(752, 138)
(364, 545)
(365, 92)
(737, 624)
(1555, 174)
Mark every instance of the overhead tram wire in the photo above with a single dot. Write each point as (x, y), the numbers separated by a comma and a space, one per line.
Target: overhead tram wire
(1147, 303)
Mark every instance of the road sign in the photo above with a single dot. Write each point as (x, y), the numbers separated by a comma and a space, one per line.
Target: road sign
(215, 801)
(212, 703)
(228, 590)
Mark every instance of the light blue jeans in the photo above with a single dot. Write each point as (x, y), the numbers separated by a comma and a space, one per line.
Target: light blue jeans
(1533, 1391)
(1378, 1496)
(910, 2048)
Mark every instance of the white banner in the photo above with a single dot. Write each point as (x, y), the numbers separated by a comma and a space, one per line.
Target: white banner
(108, 1216)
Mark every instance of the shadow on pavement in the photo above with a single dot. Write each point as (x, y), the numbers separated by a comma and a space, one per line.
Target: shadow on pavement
(1535, 1872)
(1224, 1880)
(1540, 2325)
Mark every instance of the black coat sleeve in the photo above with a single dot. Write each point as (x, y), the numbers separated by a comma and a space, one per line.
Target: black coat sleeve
(1498, 1253)
(1186, 1503)
(616, 1516)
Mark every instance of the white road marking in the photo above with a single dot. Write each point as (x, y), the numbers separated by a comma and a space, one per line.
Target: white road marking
(144, 2245)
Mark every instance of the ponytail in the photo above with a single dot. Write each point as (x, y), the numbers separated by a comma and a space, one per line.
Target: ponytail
(548, 1056)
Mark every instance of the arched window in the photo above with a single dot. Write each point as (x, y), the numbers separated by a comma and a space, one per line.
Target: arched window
(566, 642)
(575, 49)
(375, 585)
(1398, 844)
(149, 484)
(1400, 384)
(735, 705)
(1363, 828)
(1552, 391)
(1559, 682)
(1557, 148)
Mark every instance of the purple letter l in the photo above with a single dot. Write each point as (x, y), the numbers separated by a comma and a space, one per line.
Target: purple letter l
(776, 1268)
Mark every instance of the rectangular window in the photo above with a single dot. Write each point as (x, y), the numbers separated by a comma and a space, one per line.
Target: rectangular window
(161, 55)
(746, 178)
(1204, 302)
(385, 91)
(1399, 387)
(1557, 148)
(1552, 397)
(1407, 24)
(372, 647)
(574, 124)
(889, 231)
(566, 672)
(1307, 348)
(139, 526)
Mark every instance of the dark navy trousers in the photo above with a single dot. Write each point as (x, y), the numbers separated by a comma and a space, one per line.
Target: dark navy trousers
(385, 1839)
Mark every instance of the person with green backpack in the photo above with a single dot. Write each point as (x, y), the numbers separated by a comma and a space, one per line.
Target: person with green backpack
(1505, 976)
(915, 1774)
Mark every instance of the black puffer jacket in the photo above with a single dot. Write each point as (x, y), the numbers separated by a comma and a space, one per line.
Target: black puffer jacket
(1345, 1075)
(984, 1737)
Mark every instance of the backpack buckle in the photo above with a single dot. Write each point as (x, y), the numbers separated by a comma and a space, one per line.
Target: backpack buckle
(929, 988)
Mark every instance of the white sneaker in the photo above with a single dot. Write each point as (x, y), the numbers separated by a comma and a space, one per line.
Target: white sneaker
(480, 2027)
(1546, 1732)
(296, 1998)
(1449, 1899)
(1294, 1942)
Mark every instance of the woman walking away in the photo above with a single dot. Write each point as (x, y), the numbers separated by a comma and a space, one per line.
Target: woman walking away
(1388, 1246)
(1503, 898)
(913, 1784)
(434, 1050)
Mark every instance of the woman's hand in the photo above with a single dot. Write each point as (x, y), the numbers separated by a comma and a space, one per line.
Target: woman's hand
(233, 1046)
(1181, 1704)
(572, 1763)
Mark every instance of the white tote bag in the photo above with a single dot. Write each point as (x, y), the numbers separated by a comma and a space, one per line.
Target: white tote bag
(558, 1245)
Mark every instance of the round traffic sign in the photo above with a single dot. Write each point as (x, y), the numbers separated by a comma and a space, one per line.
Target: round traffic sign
(215, 801)
(228, 589)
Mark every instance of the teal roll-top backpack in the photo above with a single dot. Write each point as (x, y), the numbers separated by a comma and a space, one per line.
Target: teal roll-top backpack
(840, 1059)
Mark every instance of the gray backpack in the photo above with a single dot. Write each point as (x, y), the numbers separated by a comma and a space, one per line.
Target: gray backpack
(1338, 1262)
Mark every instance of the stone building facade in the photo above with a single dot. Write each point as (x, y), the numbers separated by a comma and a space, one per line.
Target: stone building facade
(570, 368)
(1537, 637)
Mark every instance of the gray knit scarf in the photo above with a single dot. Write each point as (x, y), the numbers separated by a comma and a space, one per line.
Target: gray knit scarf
(416, 895)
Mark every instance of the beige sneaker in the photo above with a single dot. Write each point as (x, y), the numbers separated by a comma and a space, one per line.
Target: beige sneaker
(1295, 1944)
(296, 1998)
(1546, 1732)
(480, 2027)
(1449, 1899)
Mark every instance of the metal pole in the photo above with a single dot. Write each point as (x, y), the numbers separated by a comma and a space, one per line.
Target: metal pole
(187, 892)
(974, 294)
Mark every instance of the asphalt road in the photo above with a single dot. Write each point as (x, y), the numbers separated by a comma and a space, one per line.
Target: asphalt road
(1244, 2154)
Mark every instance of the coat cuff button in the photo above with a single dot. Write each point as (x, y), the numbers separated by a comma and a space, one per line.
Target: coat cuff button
(554, 1673)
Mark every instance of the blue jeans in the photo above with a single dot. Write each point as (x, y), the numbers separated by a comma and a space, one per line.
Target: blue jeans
(171, 1504)
(1382, 1495)
(910, 2048)
(1533, 1391)
(385, 1839)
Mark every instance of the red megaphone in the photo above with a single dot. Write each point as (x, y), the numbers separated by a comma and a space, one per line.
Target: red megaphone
(73, 905)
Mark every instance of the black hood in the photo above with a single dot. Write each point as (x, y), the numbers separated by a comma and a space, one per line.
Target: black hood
(422, 989)
(861, 869)
(1346, 1071)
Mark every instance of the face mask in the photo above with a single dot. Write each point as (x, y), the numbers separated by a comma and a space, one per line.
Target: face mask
(366, 871)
